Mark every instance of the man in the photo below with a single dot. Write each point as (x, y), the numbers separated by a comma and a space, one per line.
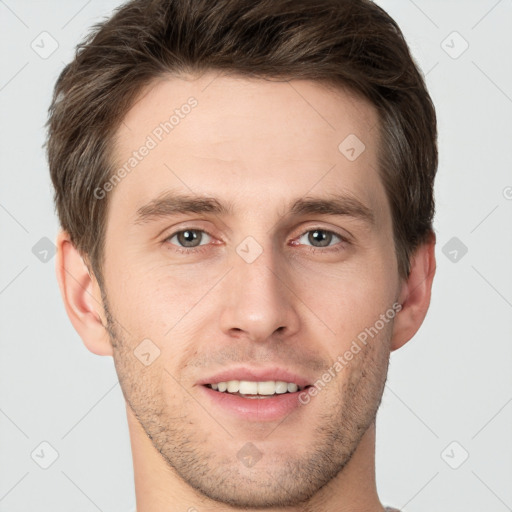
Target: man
(246, 198)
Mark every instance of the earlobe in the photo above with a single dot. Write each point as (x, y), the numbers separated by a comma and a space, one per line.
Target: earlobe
(415, 294)
(82, 298)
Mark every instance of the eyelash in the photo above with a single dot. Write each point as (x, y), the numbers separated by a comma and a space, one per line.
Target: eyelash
(193, 250)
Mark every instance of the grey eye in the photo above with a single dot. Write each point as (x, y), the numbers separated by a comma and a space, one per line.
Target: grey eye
(320, 237)
(189, 237)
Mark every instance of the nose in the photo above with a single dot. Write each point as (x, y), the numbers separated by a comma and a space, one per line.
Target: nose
(258, 301)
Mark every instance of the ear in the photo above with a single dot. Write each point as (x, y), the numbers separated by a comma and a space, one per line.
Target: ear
(415, 294)
(82, 297)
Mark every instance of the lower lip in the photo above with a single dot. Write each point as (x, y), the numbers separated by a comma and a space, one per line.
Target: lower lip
(255, 409)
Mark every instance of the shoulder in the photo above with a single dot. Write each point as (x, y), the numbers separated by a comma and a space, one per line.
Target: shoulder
(391, 509)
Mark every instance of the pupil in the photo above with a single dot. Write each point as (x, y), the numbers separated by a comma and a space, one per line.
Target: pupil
(324, 237)
(188, 238)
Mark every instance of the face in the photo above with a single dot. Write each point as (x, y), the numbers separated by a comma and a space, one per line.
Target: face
(245, 244)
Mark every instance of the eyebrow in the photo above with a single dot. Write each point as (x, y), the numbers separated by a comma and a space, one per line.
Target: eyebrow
(170, 204)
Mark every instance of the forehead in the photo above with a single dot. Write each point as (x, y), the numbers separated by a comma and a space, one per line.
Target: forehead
(247, 139)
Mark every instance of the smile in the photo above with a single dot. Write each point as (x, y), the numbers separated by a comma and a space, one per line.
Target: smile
(256, 389)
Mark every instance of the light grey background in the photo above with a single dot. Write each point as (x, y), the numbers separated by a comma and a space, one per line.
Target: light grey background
(449, 391)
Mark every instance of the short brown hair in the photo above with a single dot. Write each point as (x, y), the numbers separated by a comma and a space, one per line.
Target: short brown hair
(352, 44)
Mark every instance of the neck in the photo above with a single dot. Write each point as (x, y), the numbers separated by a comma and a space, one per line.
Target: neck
(159, 488)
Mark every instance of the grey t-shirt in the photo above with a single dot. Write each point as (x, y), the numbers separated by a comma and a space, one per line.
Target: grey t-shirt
(391, 509)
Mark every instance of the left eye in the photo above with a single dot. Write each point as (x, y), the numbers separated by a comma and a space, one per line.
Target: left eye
(189, 237)
(321, 236)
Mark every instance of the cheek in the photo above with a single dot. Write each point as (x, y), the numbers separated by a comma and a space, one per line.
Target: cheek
(158, 300)
(346, 297)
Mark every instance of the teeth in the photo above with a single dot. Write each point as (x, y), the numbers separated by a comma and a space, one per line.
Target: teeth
(247, 387)
(281, 387)
(292, 387)
(266, 388)
(233, 386)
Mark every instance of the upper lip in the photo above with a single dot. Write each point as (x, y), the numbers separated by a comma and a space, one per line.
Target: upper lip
(256, 375)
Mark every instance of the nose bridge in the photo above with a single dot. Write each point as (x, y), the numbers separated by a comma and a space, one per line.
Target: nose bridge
(259, 301)
(260, 279)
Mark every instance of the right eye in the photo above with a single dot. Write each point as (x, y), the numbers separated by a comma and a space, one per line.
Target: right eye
(187, 239)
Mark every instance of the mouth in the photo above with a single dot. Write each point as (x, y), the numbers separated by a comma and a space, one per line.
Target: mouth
(256, 389)
(255, 394)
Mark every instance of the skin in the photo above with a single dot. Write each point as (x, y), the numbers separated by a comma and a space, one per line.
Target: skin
(259, 145)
